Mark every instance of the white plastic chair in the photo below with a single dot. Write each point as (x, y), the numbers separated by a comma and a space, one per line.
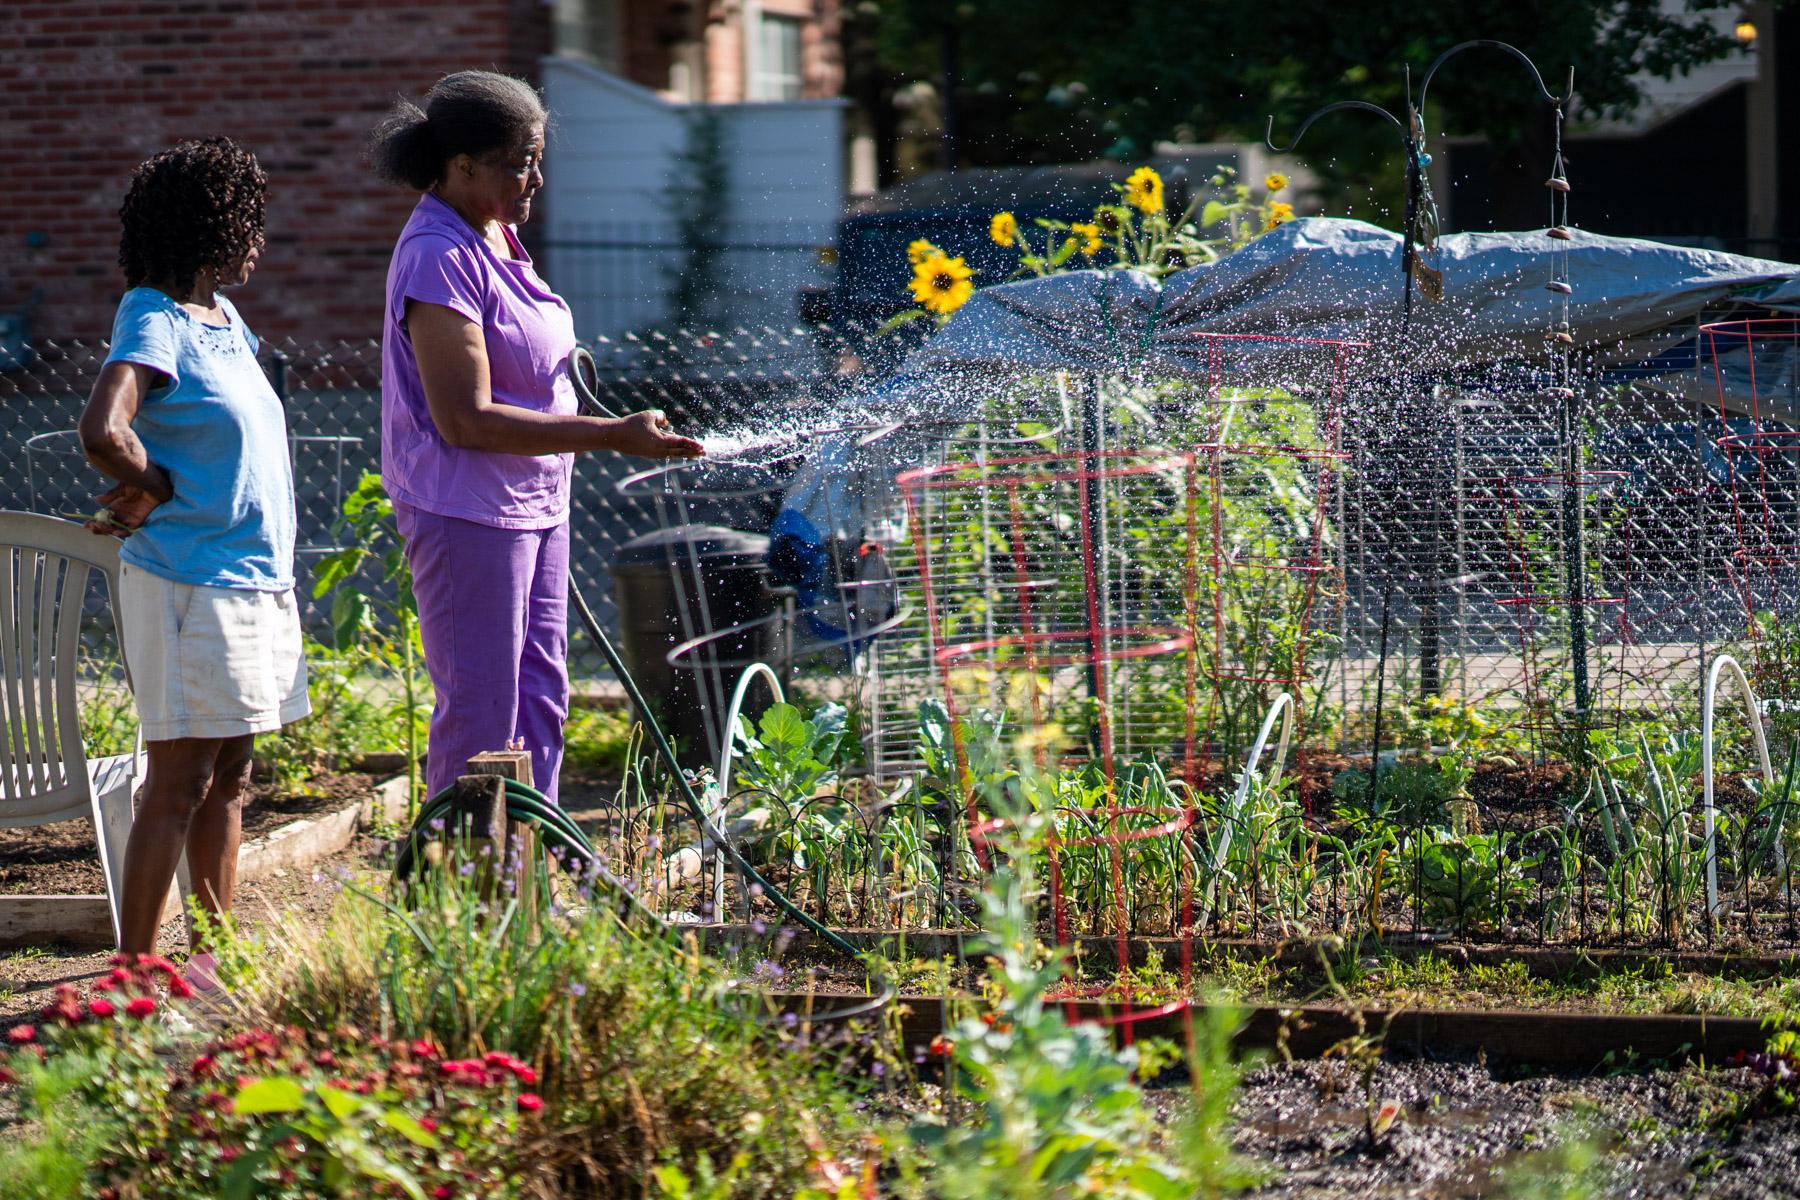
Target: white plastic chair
(46, 565)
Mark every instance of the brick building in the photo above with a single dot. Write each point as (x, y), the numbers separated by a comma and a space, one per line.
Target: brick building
(89, 88)
(714, 51)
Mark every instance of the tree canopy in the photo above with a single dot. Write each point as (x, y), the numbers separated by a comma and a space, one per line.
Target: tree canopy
(1066, 79)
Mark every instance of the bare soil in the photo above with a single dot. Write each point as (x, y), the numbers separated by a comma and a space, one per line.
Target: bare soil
(1463, 1131)
(59, 859)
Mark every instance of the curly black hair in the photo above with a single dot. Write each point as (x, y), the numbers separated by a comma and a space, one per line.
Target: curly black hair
(199, 205)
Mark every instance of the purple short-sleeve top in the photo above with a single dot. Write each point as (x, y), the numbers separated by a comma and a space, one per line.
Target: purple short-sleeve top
(440, 259)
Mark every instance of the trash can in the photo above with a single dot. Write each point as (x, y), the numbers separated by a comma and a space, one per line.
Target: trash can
(677, 584)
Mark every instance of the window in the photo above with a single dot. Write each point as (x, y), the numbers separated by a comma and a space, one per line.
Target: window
(777, 58)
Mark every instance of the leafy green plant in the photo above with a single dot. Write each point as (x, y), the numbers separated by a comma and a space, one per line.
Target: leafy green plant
(338, 1132)
(1410, 793)
(372, 605)
(1044, 1109)
(644, 1052)
(107, 713)
(788, 755)
(1471, 880)
(1639, 795)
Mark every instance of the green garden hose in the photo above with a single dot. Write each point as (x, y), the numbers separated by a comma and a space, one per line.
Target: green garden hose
(529, 804)
(752, 877)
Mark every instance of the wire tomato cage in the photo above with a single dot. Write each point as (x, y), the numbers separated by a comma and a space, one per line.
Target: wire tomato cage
(1137, 608)
(1754, 367)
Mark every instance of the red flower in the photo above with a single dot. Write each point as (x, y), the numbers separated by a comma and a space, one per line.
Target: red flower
(101, 1008)
(141, 1006)
(530, 1102)
(442, 1192)
(525, 1075)
(19, 1035)
(180, 988)
(424, 1049)
(230, 1153)
(203, 1065)
(941, 1046)
(7, 1077)
(428, 1124)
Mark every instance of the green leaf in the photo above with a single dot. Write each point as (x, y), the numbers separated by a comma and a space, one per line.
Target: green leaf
(276, 1094)
(409, 1129)
(1213, 213)
(338, 1102)
(782, 729)
(350, 616)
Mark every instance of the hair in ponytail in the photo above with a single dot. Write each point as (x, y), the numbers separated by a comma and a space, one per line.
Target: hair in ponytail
(469, 112)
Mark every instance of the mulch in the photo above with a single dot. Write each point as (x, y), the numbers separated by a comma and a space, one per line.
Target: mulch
(60, 859)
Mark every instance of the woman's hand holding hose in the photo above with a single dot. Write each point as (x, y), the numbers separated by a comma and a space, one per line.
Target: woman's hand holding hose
(647, 435)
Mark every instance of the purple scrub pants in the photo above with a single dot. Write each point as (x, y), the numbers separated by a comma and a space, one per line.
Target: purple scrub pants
(493, 612)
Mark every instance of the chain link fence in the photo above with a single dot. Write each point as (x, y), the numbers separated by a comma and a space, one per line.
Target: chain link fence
(333, 397)
(1514, 542)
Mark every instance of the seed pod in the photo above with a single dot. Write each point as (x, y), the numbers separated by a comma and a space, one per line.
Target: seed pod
(1560, 233)
(1560, 393)
(1557, 183)
(1559, 287)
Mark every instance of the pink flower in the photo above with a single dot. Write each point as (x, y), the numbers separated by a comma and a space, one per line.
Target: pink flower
(180, 988)
(101, 1008)
(203, 1065)
(442, 1192)
(530, 1102)
(141, 1006)
(424, 1049)
(19, 1035)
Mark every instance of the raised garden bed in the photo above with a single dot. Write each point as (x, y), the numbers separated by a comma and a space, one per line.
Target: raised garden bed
(1559, 1041)
(52, 890)
(1539, 962)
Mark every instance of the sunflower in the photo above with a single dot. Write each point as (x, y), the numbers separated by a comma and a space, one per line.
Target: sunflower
(942, 284)
(1275, 181)
(1004, 229)
(1110, 218)
(1279, 213)
(1144, 190)
(1090, 237)
(920, 250)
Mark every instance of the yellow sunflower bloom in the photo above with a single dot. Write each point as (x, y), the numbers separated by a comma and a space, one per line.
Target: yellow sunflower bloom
(1144, 190)
(1004, 229)
(942, 284)
(920, 250)
(1275, 181)
(1090, 237)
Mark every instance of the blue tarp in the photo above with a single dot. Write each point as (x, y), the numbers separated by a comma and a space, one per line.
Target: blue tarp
(1633, 303)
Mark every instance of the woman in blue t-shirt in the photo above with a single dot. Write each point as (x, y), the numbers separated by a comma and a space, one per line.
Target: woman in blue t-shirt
(184, 419)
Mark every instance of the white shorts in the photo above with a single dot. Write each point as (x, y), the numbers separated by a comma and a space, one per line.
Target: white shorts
(210, 662)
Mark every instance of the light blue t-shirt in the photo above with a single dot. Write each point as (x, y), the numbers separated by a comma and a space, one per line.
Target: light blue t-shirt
(217, 428)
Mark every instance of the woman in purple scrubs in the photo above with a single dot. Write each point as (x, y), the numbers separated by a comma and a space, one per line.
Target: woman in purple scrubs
(479, 422)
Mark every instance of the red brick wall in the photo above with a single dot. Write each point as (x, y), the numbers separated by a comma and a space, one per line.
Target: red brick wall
(90, 88)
